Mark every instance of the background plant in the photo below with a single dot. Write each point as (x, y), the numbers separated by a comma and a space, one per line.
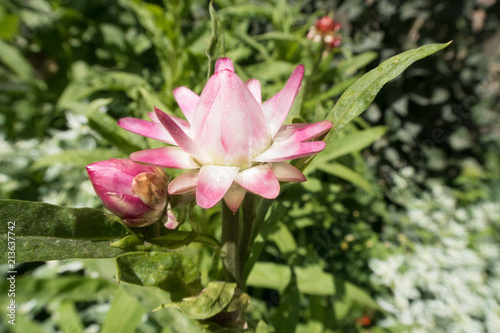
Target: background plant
(70, 69)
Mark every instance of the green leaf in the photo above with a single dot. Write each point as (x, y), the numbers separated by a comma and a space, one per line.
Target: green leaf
(170, 271)
(265, 222)
(14, 60)
(77, 158)
(348, 144)
(215, 48)
(355, 63)
(269, 275)
(212, 300)
(310, 280)
(358, 295)
(67, 318)
(47, 232)
(124, 315)
(334, 91)
(150, 297)
(284, 240)
(287, 316)
(106, 126)
(23, 325)
(65, 288)
(348, 174)
(361, 94)
(180, 238)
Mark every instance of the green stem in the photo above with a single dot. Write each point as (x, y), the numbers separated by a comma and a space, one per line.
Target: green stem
(246, 234)
(230, 242)
(206, 239)
(310, 79)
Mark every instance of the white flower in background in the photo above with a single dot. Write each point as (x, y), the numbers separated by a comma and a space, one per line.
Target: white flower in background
(450, 282)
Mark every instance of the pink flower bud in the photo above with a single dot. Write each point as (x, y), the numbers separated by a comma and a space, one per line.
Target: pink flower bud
(326, 30)
(325, 24)
(136, 193)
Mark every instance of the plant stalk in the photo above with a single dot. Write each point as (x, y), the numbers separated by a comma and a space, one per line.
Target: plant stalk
(230, 245)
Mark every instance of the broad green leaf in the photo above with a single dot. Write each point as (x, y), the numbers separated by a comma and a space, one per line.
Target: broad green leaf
(67, 318)
(342, 308)
(341, 171)
(287, 316)
(180, 238)
(356, 294)
(10, 25)
(269, 275)
(172, 240)
(361, 94)
(170, 271)
(46, 232)
(124, 315)
(150, 298)
(284, 239)
(212, 300)
(311, 280)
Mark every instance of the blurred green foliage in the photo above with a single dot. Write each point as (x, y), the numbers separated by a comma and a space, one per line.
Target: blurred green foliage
(69, 69)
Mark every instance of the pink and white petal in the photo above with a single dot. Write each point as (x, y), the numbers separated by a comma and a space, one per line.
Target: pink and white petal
(130, 167)
(259, 180)
(153, 117)
(184, 183)
(213, 183)
(254, 86)
(286, 172)
(179, 135)
(288, 151)
(187, 100)
(234, 197)
(184, 124)
(111, 180)
(223, 63)
(171, 222)
(125, 206)
(165, 157)
(149, 129)
(235, 127)
(277, 107)
(304, 133)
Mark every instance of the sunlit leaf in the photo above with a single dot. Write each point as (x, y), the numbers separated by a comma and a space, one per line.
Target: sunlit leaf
(212, 300)
(341, 171)
(360, 95)
(170, 271)
(47, 232)
(124, 315)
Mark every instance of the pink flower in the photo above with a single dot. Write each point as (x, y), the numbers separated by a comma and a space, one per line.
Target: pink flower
(231, 142)
(136, 193)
